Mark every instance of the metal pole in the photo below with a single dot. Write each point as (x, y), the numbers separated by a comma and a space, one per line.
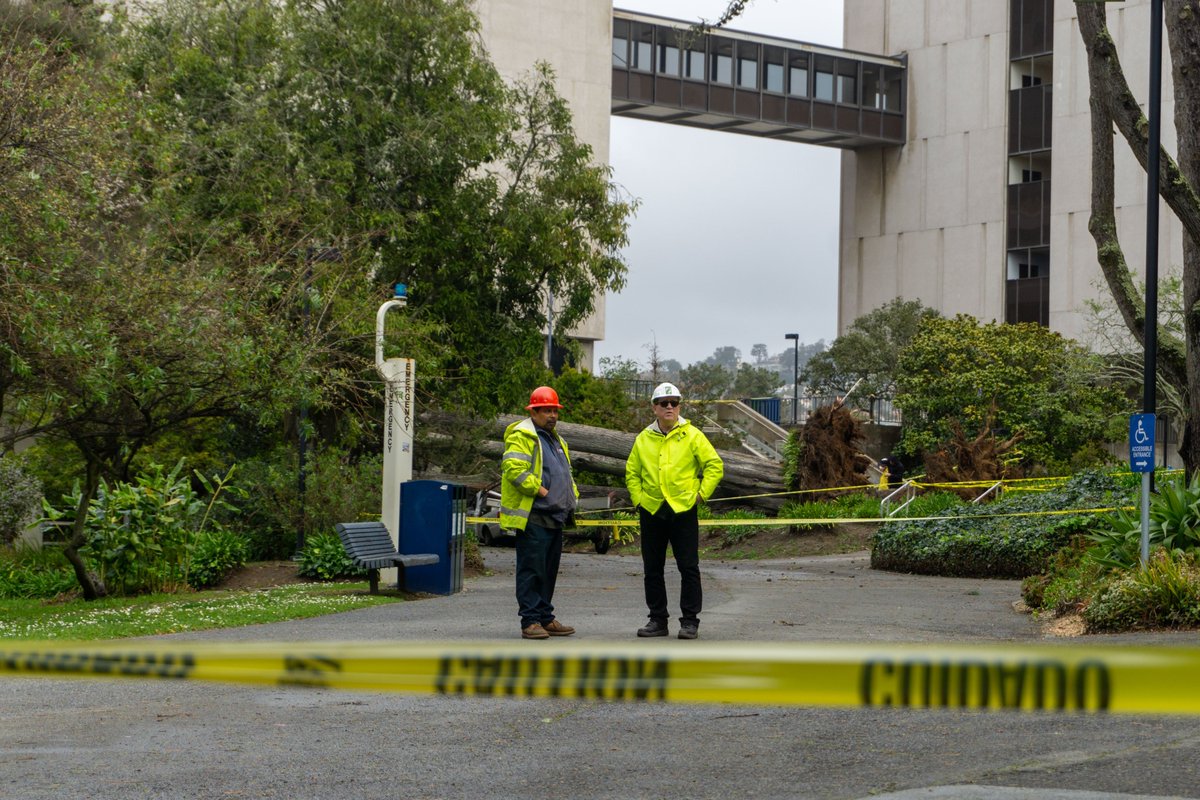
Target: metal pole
(795, 378)
(1150, 335)
(795, 338)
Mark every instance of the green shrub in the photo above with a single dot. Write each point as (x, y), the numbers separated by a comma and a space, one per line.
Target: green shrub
(324, 559)
(1164, 594)
(214, 554)
(1067, 582)
(34, 572)
(1174, 525)
(140, 535)
(338, 488)
(20, 495)
(1011, 538)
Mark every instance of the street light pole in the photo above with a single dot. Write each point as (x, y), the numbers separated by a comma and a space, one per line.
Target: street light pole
(795, 339)
(1150, 335)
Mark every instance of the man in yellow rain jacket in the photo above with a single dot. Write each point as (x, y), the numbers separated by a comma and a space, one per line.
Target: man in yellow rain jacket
(537, 499)
(671, 468)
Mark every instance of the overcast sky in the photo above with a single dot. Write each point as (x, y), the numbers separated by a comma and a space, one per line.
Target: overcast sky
(736, 238)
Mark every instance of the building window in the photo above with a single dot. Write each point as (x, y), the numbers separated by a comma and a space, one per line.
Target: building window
(693, 65)
(823, 84)
(1032, 262)
(847, 91)
(890, 83)
(773, 60)
(747, 65)
(668, 59)
(643, 44)
(722, 61)
(620, 44)
(798, 75)
(1031, 27)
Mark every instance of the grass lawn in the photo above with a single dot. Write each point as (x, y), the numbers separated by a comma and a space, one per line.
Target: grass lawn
(121, 617)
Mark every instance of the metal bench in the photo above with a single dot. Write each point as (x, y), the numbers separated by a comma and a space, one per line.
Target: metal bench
(369, 545)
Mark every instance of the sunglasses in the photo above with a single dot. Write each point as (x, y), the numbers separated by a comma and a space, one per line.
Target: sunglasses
(667, 403)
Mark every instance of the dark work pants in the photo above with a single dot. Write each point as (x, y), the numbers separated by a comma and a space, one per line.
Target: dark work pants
(682, 532)
(539, 551)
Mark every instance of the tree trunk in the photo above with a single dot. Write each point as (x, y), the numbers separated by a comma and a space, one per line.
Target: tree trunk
(1182, 19)
(93, 587)
(1112, 102)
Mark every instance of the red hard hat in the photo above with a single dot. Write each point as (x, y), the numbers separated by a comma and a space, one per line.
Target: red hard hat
(543, 397)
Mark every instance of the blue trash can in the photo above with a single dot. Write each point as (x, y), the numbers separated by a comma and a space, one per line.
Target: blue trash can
(433, 517)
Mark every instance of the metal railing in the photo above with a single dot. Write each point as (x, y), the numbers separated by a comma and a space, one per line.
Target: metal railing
(907, 489)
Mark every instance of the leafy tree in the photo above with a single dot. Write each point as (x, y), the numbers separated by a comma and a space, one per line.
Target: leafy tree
(705, 381)
(1112, 103)
(379, 127)
(754, 381)
(868, 351)
(618, 368)
(603, 402)
(728, 357)
(759, 353)
(106, 341)
(669, 368)
(1024, 378)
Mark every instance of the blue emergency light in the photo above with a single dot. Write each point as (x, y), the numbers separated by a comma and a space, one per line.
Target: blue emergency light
(401, 290)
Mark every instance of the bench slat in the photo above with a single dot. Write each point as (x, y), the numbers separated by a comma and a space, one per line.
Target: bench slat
(369, 545)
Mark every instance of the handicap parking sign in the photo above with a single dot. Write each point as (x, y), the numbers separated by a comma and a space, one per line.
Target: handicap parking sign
(1141, 442)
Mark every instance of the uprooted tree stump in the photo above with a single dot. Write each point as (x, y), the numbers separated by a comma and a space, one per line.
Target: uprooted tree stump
(830, 454)
(979, 459)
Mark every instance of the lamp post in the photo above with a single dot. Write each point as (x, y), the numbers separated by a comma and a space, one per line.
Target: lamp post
(1150, 373)
(795, 339)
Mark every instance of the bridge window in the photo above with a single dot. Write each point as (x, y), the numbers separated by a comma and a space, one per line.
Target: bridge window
(773, 59)
(722, 61)
(668, 59)
(872, 96)
(747, 70)
(847, 82)
(798, 75)
(694, 65)
(824, 78)
(890, 81)
(643, 40)
(620, 44)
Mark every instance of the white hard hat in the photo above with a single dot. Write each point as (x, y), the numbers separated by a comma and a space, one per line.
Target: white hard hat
(665, 390)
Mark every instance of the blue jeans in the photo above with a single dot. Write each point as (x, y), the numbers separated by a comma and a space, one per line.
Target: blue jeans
(539, 551)
(682, 532)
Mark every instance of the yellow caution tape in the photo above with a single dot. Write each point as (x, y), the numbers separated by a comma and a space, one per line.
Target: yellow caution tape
(981, 677)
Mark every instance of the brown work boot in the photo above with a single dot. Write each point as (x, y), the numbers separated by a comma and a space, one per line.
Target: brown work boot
(556, 628)
(534, 631)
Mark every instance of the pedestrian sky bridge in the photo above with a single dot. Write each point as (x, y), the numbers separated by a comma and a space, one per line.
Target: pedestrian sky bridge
(666, 70)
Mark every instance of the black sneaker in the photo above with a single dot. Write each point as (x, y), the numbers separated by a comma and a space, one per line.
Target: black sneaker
(655, 627)
(687, 631)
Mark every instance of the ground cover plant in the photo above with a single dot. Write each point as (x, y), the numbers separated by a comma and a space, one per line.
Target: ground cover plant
(1099, 575)
(1013, 537)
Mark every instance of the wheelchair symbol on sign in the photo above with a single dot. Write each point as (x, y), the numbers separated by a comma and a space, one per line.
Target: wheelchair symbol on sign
(1140, 436)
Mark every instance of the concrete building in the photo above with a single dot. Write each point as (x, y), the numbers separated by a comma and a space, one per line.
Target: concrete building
(966, 153)
(573, 37)
(984, 209)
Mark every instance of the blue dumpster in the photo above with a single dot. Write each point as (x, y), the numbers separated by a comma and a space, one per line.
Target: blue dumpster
(433, 517)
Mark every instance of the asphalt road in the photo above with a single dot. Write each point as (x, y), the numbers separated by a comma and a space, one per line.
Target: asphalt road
(125, 739)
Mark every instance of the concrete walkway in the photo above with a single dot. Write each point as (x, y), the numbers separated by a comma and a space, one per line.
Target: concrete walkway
(123, 739)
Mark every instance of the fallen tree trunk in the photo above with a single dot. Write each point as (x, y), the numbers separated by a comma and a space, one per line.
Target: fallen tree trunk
(604, 451)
